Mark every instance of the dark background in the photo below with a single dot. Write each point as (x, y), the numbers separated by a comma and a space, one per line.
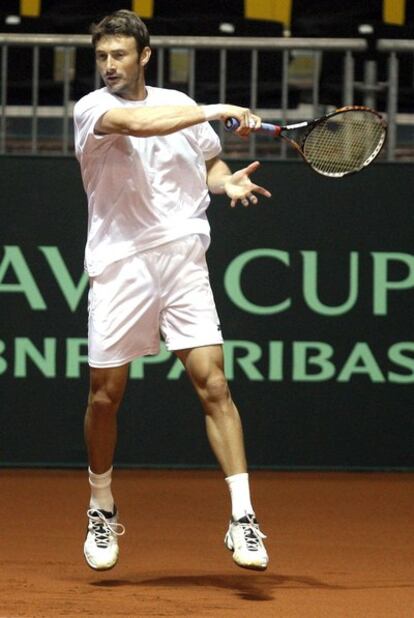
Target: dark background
(324, 18)
(321, 18)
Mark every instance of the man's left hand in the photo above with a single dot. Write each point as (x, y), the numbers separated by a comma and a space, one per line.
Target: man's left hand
(240, 187)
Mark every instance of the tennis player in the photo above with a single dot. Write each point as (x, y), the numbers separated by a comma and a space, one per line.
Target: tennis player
(149, 159)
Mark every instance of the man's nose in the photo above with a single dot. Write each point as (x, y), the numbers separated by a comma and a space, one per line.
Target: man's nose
(109, 65)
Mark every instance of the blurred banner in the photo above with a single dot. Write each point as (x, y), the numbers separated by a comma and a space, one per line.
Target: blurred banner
(33, 8)
(30, 8)
(315, 291)
(273, 10)
(394, 12)
(144, 8)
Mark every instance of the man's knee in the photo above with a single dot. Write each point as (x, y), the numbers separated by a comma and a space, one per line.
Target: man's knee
(214, 388)
(103, 402)
(106, 390)
(105, 396)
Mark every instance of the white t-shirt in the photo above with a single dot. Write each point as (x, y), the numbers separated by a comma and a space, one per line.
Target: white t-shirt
(142, 191)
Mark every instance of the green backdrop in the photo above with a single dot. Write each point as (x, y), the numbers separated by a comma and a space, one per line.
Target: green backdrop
(315, 293)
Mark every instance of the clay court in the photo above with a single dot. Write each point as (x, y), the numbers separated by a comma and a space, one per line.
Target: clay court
(341, 546)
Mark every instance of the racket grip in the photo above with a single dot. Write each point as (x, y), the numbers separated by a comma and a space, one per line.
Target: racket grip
(231, 124)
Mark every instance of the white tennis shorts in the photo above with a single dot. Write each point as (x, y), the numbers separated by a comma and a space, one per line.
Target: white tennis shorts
(167, 290)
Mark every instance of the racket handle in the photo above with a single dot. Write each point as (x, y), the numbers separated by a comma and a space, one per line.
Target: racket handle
(231, 124)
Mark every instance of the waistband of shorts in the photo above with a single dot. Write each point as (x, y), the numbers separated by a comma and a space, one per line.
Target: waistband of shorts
(171, 245)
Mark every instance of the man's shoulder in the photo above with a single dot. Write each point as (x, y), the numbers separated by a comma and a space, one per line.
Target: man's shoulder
(93, 99)
(169, 96)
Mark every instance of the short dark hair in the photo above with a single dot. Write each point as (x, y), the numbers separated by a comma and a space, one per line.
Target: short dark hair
(122, 23)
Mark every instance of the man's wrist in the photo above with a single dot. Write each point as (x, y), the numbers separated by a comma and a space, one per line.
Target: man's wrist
(218, 185)
(213, 112)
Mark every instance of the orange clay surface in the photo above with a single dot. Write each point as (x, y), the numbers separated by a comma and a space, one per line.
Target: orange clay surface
(340, 545)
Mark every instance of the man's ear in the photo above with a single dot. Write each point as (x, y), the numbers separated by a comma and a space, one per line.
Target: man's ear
(144, 56)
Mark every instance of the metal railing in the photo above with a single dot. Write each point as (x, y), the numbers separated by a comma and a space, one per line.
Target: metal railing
(269, 70)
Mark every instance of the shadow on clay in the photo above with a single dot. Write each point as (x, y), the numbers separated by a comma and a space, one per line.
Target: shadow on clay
(249, 587)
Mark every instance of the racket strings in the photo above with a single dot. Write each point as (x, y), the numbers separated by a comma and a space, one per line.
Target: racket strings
(344, 143)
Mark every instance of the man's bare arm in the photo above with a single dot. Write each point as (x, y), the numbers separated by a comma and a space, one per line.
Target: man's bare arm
(166, 119)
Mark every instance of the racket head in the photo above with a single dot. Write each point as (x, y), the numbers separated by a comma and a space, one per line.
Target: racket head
(345, 141)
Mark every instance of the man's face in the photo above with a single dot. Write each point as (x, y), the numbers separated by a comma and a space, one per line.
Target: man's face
(119, 65)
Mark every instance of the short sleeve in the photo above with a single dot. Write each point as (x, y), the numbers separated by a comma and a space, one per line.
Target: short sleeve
(86, 114)
(208, 140)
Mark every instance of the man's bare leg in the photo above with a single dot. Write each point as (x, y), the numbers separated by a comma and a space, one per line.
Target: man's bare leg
(205, 367)
(107, 387)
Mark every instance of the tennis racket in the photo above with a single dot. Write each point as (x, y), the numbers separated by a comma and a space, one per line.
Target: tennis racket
(340, 143)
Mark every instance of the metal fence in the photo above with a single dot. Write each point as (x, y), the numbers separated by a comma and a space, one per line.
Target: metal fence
(284, 79)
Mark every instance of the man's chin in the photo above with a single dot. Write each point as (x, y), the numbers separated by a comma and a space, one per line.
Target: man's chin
(114, 88)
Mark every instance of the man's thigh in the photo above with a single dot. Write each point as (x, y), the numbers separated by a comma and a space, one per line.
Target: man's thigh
(123, 313)
(189, 316)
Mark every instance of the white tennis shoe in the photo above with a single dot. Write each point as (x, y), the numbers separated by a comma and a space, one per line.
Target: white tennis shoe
(245, 539)
(101, 544)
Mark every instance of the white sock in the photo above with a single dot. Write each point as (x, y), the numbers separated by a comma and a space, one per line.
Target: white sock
(101, 494)
(240, 495)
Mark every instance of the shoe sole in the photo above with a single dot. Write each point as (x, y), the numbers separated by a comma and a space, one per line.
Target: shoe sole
(250, 567)
(99, 568)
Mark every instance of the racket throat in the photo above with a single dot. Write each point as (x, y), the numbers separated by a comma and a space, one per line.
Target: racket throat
(293, 127)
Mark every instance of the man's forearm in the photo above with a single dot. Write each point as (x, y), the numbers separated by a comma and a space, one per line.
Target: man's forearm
(166, 119)
(218, 173)
(161, 120)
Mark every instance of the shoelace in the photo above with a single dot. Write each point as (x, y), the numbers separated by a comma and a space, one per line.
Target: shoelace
(103, 529)
(252, 534)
